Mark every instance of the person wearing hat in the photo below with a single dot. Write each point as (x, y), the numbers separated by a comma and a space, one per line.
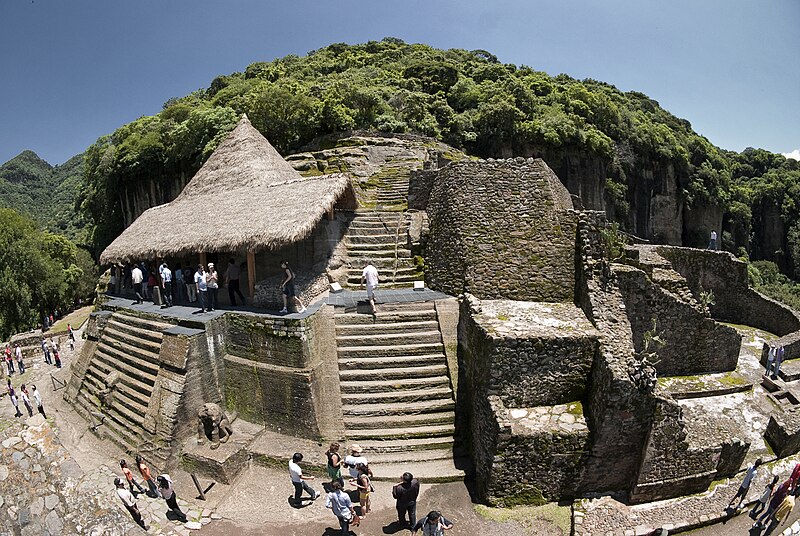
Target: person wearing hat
(168, 492)
(212, 281)
(129, 502)
(354, 458)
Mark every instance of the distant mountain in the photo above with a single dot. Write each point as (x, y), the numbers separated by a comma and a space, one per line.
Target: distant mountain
(47, 193)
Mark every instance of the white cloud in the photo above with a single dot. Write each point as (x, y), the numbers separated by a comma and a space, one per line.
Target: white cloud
(795, 155)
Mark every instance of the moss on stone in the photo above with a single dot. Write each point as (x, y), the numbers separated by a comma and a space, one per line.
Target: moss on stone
(575, 408)
(560, 516)
(527, 496)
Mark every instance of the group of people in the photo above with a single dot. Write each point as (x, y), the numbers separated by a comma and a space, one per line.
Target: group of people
(775, 503)
(161, 487)
(775, 357)
(338, 500)
(15, 354)
(25, 396)
(184, 284)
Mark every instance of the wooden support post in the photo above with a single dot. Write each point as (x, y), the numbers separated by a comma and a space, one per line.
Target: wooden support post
(251, 273)
(331, 214)
(203, 258)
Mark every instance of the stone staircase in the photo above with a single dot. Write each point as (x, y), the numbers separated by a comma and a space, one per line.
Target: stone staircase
(130, 346)
(392, 191)
(397, 399)
(381, 237)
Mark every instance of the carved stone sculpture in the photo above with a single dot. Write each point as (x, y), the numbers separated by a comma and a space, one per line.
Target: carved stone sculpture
(212, 423)
(106, 395)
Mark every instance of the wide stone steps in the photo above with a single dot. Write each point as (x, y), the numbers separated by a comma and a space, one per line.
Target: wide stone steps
(400, 433)
(113, 332)
(136, 379)
(398, 408)
(404, 395)
(142, 323)
(400, 457)
(389, 339)
(133, 332)
(138, 400)
(371, 448)
(377, 328)
(401, 421)
(427, 470)
(379, 251)
(388, 351)
(398, 385)
(395, 374)
(383, 264)
(369, 240)
(128, 409)
(377, 362)
(386, 316)
(136, 358)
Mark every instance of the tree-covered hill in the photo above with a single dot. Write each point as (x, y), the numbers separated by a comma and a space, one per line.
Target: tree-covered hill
(46, 193)
(620, 151)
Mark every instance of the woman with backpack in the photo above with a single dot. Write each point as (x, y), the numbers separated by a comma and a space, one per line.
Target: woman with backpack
(364, 485)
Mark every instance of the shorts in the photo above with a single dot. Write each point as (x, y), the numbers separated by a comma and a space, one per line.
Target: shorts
(363, 495)
(371, 291)
(288, 289)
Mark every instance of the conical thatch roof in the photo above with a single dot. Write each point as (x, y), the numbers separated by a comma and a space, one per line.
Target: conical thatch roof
(245, 197)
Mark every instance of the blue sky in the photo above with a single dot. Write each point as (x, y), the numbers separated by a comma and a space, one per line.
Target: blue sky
(75, 70)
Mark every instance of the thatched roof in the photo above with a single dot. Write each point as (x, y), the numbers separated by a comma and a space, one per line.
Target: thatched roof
(245, 197)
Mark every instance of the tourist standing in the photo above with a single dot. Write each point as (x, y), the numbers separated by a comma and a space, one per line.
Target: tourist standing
(129, 477)
(12, 394)
(405, 493)
(191, 288)
(761, 503)
(212, 282)
(741, 494)
(178, 287)
(770, 359)
(334, 466)
(352, 460)
(26, 399)
(779, 354)
(152, 282)
(201, 287)
(37, 397)
(433, 524)
(785, 508)
(287, 286)
(70, 332)
(341, 505)
(168, 492)
(129, 502)
(137, 277)
(364, 486)
(57, 354)
(777, 498)
(9, 359)
(232, 278)
(299, 480)
(46, 352)
(166, 284)
(370, 277)
(146, 476)
(20, 363)
(712, 243)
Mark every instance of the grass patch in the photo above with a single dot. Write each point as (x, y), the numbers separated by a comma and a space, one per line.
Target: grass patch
(560, 516)
(76, 318)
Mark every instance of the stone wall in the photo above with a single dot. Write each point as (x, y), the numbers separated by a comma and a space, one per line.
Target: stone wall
(617, 413)
(278, 373)
(670, 467)
(726, 276)
(692, 342)
(501, 230)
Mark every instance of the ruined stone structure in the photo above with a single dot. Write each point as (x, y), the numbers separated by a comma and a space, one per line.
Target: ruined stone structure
(563, 365)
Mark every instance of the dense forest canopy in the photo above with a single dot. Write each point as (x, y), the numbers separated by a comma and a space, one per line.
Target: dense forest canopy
(465, 98)
(46, 193)
(40, 272)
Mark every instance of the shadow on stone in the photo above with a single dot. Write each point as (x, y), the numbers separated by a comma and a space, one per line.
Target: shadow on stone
(394, 527)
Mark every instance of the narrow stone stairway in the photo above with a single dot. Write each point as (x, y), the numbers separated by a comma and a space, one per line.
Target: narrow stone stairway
(397, 399)
(381, 237)
(392, 192)
(130, 346)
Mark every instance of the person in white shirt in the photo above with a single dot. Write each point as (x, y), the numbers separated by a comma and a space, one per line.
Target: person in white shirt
(299, 480)
(353, 459)
(38, 399)
(129, 502)
(166, 284)
(201, 286)
(137, 277)
(370, 277)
